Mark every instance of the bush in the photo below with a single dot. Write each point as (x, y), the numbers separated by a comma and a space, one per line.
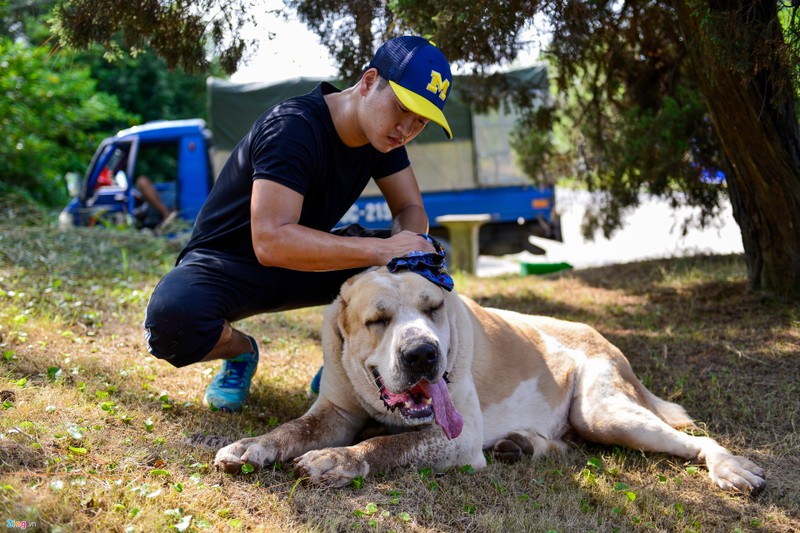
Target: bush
(52, 119)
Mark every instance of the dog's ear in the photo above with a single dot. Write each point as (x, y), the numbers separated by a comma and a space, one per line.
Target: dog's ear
(345, 288)
(454, 308)
(336, 315)
(332, 338)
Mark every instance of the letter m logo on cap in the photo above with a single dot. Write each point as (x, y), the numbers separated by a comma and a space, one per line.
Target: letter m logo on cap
(438, 85)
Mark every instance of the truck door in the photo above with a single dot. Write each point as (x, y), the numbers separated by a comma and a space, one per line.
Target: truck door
(194, 179)
(106, 190)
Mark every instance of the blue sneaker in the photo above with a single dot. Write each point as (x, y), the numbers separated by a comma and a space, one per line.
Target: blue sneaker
(313, 390)
(230, 387)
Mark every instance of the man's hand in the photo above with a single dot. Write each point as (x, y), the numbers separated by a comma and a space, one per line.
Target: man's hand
(404, 243)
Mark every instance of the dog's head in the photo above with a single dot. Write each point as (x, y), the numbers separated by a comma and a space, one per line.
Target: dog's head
(393, 334)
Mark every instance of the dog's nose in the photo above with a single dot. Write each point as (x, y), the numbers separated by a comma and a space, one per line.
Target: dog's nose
(420, 358)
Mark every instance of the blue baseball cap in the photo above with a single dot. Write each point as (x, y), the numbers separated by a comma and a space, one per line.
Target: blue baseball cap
(419, 74)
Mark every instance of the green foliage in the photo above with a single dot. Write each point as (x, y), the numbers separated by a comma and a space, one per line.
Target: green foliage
(535, 145)
(482, 33)
(181, 33)
(52, 118)
(21, 18)
(630, 116)
(65, 103)
(625, 149)
(144, 85)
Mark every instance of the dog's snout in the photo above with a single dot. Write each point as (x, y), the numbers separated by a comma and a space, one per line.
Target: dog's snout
(420, 358)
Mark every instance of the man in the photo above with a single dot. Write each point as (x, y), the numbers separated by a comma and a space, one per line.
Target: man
(147, 196)
(144, 193)
(262, 241)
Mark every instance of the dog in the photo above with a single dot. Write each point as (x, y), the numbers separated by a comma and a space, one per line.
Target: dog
(452, 379)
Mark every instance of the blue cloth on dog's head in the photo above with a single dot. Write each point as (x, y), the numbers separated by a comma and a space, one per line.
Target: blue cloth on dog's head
(430, 265)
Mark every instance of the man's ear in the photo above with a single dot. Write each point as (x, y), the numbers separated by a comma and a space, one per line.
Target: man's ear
(368, 80)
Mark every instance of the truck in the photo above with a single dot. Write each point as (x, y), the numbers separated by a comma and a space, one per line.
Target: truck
(474, 173)
(176, 155)
(516, 212)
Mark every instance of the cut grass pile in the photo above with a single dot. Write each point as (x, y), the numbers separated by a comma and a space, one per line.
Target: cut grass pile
(93, 430)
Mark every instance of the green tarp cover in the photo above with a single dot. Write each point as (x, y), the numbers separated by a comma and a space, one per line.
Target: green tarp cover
(233, 107)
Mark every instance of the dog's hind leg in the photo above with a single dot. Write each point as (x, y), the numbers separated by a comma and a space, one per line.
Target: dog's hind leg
(608, 412)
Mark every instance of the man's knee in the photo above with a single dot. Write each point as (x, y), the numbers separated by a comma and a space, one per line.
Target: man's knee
(181, 333)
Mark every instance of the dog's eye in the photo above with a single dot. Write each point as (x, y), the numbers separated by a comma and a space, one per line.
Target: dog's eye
(379, 321)
(431, 311)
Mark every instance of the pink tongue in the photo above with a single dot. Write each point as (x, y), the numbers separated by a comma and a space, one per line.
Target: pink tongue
(444, 411)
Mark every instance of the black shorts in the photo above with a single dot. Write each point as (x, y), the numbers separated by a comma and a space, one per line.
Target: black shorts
(189, 306)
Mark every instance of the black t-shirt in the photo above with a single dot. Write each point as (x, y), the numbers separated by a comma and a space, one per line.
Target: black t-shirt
(295, 144)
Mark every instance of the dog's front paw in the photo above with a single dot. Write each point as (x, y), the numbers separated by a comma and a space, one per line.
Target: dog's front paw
(331, 467)
(734, 472)
(256, 451)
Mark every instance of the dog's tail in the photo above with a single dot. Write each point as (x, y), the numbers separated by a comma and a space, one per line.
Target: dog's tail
(671, 413)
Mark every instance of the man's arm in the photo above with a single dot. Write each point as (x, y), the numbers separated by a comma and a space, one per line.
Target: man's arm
(401, 192)
(278, 239)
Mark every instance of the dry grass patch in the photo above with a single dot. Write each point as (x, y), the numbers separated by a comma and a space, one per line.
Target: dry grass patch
(93, 432)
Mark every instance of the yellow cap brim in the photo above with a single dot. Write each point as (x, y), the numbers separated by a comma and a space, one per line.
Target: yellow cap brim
(421, 106)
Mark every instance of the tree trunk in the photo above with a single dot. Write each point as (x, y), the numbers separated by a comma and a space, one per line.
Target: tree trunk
(758, 132)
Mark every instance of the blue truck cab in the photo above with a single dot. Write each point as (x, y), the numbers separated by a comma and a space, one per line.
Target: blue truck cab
(175, 155)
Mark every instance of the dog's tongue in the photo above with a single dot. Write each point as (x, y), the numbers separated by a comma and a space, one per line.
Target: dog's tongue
(444, 411)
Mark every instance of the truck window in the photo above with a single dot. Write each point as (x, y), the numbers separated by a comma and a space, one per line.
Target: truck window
(112, 173)
(158, 161)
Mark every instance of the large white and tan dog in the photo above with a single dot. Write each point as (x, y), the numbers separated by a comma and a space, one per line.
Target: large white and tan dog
(456, 379)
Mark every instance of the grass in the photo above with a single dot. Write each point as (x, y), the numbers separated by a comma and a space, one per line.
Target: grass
(93, 430)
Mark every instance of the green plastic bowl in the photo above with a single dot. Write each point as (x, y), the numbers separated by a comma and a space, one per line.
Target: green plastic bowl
(542, 268)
